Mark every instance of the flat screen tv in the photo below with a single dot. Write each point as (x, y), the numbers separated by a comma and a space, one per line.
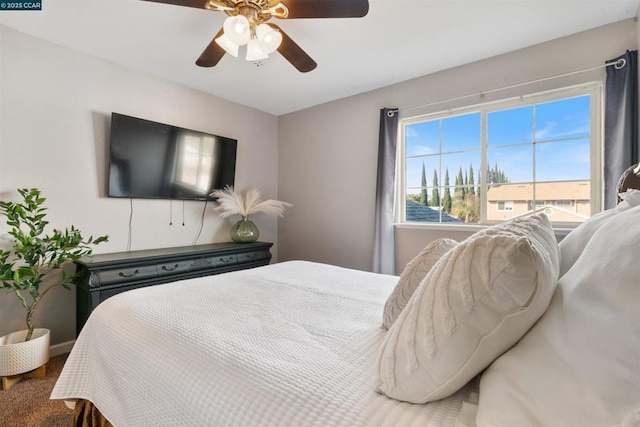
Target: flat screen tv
(160, 161)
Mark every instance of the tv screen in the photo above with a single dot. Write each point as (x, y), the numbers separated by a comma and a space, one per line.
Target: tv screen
(155, 160)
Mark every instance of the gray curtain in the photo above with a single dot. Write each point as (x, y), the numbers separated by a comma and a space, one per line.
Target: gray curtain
(383, 247)
(621, 145)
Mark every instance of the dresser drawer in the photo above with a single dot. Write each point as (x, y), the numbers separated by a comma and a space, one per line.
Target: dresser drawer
(172, 268)
(122, 275)
(214, 261)
(253, 256)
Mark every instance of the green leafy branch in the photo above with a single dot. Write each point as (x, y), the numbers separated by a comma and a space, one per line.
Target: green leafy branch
(35, 254)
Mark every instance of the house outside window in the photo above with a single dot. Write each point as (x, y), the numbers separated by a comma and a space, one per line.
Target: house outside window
(492, 162)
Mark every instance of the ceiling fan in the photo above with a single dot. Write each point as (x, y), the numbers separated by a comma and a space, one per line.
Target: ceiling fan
(247, 25)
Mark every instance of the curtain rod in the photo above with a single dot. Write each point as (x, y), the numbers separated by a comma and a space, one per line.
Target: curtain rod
(619, 64)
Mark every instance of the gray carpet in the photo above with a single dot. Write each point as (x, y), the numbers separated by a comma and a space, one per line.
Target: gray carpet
(27, 403)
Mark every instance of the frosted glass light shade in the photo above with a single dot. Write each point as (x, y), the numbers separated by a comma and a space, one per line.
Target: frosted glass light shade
(230, 47)
(270, 39)
(254, 51)
(236, 28)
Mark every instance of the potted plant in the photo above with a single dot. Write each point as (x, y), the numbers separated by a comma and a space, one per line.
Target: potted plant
(233, 203)
(30, 270)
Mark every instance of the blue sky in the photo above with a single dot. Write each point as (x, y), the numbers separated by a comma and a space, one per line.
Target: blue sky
(561, 128)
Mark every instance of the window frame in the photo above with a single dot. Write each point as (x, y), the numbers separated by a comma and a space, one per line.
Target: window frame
(594, 89)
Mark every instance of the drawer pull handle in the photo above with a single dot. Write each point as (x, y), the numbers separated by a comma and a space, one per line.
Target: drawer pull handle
(225, 260)
(252, 255)
(123, 274)
(165, 268)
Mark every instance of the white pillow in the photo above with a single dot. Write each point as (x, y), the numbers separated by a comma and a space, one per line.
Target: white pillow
(580, 364)
(477, 302)
(572, 245)
(411, 276)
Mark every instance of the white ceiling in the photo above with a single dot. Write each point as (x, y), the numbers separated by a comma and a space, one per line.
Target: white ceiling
(397, 40)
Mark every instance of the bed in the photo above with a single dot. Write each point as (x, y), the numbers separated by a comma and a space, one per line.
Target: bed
(307, 344)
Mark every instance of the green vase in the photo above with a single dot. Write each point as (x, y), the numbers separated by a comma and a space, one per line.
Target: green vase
(244, 231)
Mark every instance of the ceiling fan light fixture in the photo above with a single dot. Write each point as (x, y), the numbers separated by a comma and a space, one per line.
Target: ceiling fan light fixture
(254, 51)
(237, 29)
(230, 47)
(269, 38)
(245, 16)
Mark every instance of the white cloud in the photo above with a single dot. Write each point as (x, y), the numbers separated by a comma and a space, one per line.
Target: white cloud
(548, 130)
(411, 132)
(421, 150)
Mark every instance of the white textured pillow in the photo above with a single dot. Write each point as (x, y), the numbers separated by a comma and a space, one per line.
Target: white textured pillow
(476, 303)
(580, 364)
(573, 244)
(411, 276)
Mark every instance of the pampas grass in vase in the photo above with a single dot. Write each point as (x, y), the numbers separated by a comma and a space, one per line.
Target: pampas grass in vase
(233, 203)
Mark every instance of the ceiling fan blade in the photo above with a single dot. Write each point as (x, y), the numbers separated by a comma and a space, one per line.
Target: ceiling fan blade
(294, 53)
(327, 8)
(199, 4)
(212, 53)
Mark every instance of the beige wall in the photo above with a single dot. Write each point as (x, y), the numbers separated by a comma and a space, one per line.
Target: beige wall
(55, 107)
(327, 154)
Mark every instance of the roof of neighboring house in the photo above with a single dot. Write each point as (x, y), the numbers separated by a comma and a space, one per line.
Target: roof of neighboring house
(564, 190)
(421, 213)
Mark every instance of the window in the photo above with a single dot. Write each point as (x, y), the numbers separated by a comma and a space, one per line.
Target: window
(195, 159)
(505, 206)
(492, 162)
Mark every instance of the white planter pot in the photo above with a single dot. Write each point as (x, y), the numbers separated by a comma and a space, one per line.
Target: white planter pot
(18, 356)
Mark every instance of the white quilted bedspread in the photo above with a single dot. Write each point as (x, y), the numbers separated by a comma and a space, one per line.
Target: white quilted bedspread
(289, 344)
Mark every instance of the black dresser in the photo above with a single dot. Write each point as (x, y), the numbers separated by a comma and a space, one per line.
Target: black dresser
(105, 275)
